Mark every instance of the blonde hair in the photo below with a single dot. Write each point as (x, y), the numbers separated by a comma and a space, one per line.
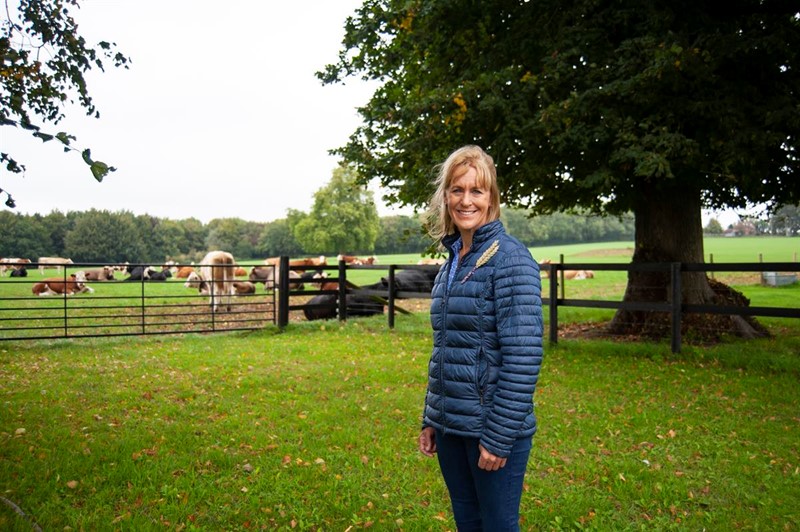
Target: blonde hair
(437, 218)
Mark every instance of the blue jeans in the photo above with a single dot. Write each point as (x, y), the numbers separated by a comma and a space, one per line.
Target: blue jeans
(482, 500)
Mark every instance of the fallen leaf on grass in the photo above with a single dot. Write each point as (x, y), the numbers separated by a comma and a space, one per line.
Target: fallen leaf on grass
(72, 484)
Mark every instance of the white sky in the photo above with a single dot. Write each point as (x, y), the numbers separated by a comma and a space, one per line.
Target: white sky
(220, 114)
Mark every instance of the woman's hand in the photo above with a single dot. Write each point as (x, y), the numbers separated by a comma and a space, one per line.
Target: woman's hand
(489, 461)
(427, 441)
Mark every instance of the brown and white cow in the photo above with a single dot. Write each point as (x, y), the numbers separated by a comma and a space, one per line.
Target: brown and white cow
(13, 264)
(56, 286)
(184, 271)
(244, 287)
(52, 262)
(263, 274)
(356, 261)
(106, 273)
(216, 278)
(268, 275)
(576, 275)
(431, 261)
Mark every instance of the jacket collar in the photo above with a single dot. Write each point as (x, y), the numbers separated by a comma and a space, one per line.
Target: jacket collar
(484, 233)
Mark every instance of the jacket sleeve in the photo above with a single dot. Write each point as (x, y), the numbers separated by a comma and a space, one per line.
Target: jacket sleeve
(518, 306)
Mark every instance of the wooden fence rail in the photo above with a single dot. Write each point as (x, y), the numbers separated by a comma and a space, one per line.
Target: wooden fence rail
(673, 304)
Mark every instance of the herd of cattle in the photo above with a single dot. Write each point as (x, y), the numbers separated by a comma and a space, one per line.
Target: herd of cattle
(216, 277)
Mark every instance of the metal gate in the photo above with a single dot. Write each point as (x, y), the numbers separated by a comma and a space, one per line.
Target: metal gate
(121, 307)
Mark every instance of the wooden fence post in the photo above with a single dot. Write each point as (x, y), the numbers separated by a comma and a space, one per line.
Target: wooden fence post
(342, 291)
(675, 274)
(390, 308)
(283, 292)
(561, 274)
(553, 303)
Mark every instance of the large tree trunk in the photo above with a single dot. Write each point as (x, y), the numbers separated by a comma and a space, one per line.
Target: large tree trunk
(669, 229)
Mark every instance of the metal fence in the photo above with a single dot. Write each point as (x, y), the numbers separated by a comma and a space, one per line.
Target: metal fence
(122, 307)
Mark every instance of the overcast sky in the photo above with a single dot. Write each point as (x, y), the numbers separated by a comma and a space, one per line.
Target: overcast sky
(220, 114)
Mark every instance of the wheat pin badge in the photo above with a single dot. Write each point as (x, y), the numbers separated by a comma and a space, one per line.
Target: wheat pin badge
(483, 259)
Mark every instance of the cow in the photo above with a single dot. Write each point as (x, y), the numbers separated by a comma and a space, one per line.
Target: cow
(432, 261)
(357, 305)
(314, 261)
(267, 275)
(21, 271)
(576, 275)
(240, 272)
(56, 286)
(194, 280)
(263, 274)
(300, 265)
(297, 280)
(13, 264)
(52, 262)
(184, 271)
(244, 287)
(106, 273)
(409, 281)
(356, 261)
(163, 275)
(216, 276)
(139, 273)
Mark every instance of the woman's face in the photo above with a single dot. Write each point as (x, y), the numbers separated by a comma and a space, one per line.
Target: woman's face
(467, 203)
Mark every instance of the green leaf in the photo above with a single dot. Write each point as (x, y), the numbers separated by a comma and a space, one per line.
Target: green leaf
(100, 170)
(87, 156)
(44, 136)
(64, 137)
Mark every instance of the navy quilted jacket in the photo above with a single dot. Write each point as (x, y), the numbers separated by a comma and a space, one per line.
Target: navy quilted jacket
(487, 343)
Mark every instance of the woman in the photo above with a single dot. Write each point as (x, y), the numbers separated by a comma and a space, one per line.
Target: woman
(486, 314)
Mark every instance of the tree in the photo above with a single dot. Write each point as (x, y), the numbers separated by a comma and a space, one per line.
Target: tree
(22, 237)
(231, 235)
(713, 227)
(103, 236)
(277, 239)
(786, 221)
(57, 225)
(343, 219)
(657, 109)
(401, 234)
(43, 60)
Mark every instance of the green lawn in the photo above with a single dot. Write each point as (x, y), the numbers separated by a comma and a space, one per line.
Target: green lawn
(314, 429)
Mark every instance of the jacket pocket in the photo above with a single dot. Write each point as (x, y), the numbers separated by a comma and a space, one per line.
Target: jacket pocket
(481, 374)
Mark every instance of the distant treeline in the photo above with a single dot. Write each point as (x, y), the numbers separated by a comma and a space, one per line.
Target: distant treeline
(103, 236)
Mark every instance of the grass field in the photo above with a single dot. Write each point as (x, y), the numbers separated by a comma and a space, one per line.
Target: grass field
(314, 428)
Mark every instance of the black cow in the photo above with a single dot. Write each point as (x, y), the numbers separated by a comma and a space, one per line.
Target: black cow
(409, 281)
(139, 273)
(19, 272)
(356, 306)
(163, 275)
